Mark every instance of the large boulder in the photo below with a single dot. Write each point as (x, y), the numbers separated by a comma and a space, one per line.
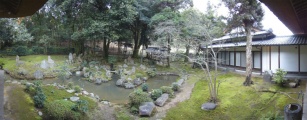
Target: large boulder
(180, 82)
(38, 74)
(208, 106)
(129, 85)
(137, 81)
(98, 81)
(146, 108)
(120, 82)
(161, 100)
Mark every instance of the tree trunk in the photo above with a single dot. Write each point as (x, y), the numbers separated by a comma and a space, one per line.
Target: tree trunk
(187, 51)
(248, 81)
(168, 50)
(136, 44)
(106, 44)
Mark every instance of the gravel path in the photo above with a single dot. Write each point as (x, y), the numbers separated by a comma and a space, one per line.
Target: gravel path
(183, 95)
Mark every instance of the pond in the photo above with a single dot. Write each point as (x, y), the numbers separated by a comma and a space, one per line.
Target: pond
(109, 91)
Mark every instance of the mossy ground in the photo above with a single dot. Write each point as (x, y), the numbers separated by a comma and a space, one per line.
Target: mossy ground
(236, 102)
(19, 105)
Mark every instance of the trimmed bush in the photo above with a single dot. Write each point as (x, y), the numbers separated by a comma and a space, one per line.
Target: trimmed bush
(138, 75)
(145, 87)
(70, 85)
(175, 87)
(61, 110)
(168, 90)
(21, 50)
(81, 106)
(39, 99)
(77, 89)
(151, 73)
(279, 76)
(137, 97)
(156, 93)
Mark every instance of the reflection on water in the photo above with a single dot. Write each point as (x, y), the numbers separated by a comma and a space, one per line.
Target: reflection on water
(110, 91)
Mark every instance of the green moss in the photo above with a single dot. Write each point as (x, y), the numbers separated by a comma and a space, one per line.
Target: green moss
(21, 104)
(235, 101)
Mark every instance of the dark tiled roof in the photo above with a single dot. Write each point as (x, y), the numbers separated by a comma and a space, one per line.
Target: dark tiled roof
(280, 40)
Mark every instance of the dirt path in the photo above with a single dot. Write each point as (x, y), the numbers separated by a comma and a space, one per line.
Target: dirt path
(183, 95)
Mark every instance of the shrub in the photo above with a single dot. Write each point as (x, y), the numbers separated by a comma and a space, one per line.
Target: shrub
(21, 50)
(37, 50)
(39, 99)
(70, 85)
(134, 110)
(77, 89)
(144, 87)
(151, 73)
(81, 106)
(61, 110)
(168, 90)
(156, 93)
(279, 76)
(175, 87)
(137, 97)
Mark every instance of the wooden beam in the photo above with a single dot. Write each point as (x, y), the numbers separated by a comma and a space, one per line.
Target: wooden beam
(299, 59)
(270, 61)
(278, 56)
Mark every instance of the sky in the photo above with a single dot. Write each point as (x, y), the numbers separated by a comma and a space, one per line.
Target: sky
(269, 19)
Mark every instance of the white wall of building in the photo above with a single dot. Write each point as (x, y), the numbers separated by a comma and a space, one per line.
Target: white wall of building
(238, 60)
(289, 58)
(265, 58)
(303, 61)
(274, 58)
(232, 58)
(257, 60)
(243, 59)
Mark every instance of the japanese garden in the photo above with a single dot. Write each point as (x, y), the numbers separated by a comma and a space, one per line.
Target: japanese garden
(148, 60)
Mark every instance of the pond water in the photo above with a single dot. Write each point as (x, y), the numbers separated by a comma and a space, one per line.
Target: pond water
(109, 91)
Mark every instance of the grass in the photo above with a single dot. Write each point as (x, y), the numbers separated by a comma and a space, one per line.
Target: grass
(236, 102)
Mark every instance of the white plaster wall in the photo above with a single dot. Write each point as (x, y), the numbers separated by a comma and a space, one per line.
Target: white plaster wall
(243, 59)
(289, 58)
(227, 58)
(232, 58)
(238, 60)
(265, 58)
(219, 57)
(274, 58)
(303, 57)
(257, 60)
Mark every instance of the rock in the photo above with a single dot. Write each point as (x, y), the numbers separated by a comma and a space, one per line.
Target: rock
(50, 62)
(98, 81)
(292, 85)
(38, 74)
(85, 93)
(137, 81)
(180, 82)
(125, 66)
(97, 97)
(22, 71)
(143, 67)
(105, 102)
(92, 95)
(44, 64)
(146, 108)
(40, 113)
(74, 98)
(161, 100)
(78, 73)
(144, 78)
(104, 80)
(267, 77)
(70, 91)
(208, 106)
(129, 85)
(14, 82)
(120, 82)
(70, 58)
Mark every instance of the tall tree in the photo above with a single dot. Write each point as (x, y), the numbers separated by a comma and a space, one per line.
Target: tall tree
(246, 13)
